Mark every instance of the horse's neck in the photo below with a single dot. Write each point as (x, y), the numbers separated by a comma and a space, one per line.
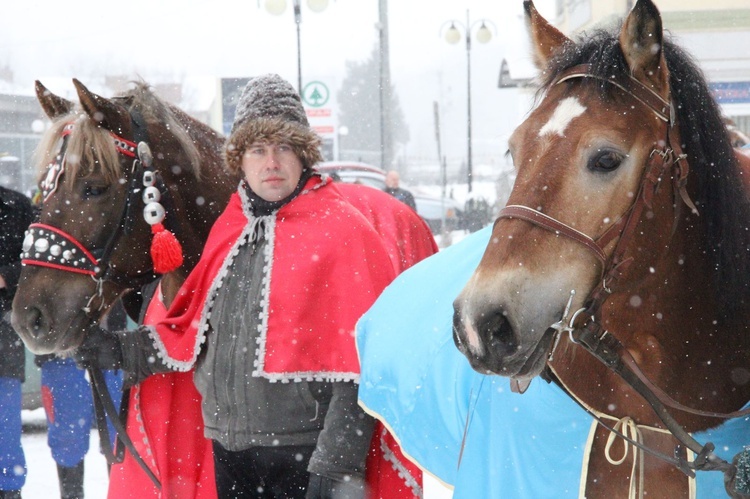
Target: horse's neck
(668, 322)
(199, 200)
(743, 158)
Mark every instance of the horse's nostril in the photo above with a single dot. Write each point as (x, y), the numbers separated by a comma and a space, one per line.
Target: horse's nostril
(37, 326)
(500, 333)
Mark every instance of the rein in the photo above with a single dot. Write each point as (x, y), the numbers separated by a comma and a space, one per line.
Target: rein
(583, 328)
(105, 408)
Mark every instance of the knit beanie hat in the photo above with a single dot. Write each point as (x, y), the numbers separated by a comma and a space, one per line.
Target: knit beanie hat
(270, 110)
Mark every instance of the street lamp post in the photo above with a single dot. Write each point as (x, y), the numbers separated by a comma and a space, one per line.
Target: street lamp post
(277, 7)
(453, 36)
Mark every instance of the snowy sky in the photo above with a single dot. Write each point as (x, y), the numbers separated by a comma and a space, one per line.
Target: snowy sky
(198, 41)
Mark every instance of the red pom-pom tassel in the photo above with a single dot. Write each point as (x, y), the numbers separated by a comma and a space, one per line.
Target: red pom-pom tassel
(166, 251)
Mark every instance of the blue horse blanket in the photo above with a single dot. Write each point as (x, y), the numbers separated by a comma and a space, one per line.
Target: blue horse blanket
(415, 380)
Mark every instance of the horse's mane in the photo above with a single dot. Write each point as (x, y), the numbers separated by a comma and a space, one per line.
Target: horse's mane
(92, 145)
(716, 187)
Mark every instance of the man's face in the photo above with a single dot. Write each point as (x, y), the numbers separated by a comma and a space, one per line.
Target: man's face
(391, 180)
(272, 170)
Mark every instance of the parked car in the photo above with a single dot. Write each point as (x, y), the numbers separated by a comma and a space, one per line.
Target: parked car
(430, 208)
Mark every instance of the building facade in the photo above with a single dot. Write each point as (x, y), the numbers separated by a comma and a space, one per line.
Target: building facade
(716, 33)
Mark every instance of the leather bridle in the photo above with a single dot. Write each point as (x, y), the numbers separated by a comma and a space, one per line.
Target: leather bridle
(584, 328)
(667, 161)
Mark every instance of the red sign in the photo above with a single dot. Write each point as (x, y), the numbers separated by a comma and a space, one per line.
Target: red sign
(323, 130)
(318, 113)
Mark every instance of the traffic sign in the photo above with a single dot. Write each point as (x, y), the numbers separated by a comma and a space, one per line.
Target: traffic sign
(315, 94)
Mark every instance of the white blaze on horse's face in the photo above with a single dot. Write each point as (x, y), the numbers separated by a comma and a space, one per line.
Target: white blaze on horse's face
(568, 109)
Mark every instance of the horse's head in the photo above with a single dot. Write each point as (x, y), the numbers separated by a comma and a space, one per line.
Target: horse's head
(580, 158)
(92, 240)
(85, 160)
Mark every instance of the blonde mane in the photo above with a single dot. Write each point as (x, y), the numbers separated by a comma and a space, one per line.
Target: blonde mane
(91, 145)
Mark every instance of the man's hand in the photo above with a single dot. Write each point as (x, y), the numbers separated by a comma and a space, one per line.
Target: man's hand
(100, 348)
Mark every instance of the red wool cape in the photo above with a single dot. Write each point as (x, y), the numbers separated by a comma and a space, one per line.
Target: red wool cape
(324, 266)
(165, 424)
(165, 420)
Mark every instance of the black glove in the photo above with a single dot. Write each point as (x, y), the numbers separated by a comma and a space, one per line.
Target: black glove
(100, 349)
(322, 487)
(737, 479)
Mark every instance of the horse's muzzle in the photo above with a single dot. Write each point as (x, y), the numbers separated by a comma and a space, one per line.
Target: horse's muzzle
(36, 330)
(492, 346)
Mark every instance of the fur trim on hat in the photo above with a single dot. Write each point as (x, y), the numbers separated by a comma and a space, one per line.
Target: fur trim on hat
(303, 140)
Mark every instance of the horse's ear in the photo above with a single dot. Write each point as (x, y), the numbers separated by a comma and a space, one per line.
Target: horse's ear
(641, 41)
(53, 105)
(546, 39)
(104, 112)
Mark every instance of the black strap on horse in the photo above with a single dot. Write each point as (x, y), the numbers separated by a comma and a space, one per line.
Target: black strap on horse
(609, 351)
(127, 215)
(105, 409)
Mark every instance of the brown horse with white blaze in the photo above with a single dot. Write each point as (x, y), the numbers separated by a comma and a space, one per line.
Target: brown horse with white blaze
(626, 231)
(93, 184)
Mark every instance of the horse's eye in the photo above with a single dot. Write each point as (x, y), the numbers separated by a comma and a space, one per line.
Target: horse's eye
(92, 191)
(605, 161)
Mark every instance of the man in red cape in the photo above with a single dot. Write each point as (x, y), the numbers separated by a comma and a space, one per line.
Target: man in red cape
(266, 318)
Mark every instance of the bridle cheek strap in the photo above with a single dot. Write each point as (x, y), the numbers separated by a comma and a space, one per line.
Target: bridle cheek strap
(624, 229)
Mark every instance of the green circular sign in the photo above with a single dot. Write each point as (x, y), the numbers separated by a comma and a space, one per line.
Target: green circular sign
(315, 94)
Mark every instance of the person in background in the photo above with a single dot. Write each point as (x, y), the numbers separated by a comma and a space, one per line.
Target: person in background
(16, 214)
(267, 316)
(65, 393)
(392, 180)
(69, 409)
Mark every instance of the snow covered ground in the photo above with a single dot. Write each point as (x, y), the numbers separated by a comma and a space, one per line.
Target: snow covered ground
(41, 480)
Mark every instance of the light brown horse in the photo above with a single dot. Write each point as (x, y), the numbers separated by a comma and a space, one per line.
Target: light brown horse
(626, 234)
(94, 203)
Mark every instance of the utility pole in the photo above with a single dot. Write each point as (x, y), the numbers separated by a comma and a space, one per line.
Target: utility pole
(385, 87)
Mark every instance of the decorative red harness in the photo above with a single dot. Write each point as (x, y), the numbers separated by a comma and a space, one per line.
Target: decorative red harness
(47, 246)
